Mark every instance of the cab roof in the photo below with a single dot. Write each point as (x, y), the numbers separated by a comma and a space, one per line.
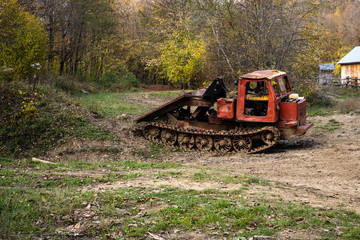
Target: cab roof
(263, 74)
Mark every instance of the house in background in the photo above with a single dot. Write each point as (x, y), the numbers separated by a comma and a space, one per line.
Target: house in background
(326, 73)
(350, 65)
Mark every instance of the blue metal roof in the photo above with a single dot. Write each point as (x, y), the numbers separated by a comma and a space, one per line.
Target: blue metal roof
(352, 57)
(327, 66)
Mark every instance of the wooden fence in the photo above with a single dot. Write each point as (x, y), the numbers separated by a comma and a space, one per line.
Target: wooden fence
(347, 82)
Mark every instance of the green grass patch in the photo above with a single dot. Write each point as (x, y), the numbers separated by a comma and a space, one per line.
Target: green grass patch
(33, 204)
(228, 179)
(320, 112)
(330, 126)
(85, 130)
(35, 211)
(113, 104)
(135, 165)
(168, 94)
(166, 174)
(12, 178)
(71, 166)
(128, 165)
(221, 213)
(256, 180)
(40, 200)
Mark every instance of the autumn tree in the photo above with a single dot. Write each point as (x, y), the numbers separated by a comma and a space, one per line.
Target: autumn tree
(261, 34)
(170, 32)
(79, 33)
(22, 42)
(191, 41)
(181, 59)
(342, 28)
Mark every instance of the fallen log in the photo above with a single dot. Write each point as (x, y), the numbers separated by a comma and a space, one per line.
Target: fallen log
(40, 160)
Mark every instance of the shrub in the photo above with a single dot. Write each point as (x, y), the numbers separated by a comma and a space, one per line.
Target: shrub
(70, 84)
(314, 97)
(131, 80)
(117, 81)
(33, 121)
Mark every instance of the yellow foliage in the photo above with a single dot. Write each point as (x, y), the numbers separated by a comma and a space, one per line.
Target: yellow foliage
(25, 110)
(23, 41)
(182, 58)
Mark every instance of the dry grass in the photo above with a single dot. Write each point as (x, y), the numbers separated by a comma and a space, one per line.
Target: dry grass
(347, 106)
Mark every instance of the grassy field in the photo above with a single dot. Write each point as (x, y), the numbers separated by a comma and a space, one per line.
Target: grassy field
(139, 197)
(111, 104)
(168, 94)
(59, 201)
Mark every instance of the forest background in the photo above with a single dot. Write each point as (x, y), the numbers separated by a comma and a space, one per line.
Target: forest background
(71, 76)
(183, 42)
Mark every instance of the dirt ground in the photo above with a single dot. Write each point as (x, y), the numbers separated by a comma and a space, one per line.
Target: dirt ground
(321, 168)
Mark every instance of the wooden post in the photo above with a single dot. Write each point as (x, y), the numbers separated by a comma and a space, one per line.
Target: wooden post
(356, 83)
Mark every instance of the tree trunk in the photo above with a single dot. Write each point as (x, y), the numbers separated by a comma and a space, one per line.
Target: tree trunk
(61, 70)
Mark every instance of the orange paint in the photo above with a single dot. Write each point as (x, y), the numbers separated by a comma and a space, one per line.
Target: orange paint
(244, 114)
(226, 108)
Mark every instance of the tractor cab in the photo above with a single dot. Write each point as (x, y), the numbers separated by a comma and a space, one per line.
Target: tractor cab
(259, 95)
(256, 98)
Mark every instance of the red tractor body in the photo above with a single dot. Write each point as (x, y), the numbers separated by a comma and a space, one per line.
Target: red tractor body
(265, 97)
(264, 111)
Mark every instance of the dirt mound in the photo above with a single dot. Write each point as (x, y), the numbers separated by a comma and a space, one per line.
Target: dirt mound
(158, 88)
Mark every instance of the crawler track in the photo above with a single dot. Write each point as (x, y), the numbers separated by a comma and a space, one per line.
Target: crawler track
(244, 140)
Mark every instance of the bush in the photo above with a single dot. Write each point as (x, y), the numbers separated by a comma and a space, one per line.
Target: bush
(131, 80)
(116, 82)
(319, 98)
(34, 121)
(108, 82)
(314, 97)
(70, 84)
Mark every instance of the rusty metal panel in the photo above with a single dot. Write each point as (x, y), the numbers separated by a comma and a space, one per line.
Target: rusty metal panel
(182, 100)
(226, 108)
(264, 74)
